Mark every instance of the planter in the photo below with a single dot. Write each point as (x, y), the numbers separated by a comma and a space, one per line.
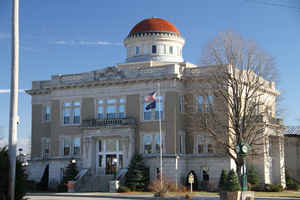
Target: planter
(230, 195)
(114, 186)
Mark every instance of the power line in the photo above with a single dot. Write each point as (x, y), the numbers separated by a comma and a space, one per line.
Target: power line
(276, 4)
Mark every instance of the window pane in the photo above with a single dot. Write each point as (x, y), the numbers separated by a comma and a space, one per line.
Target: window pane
(181, 150)
(147, 113)
(76, 146)
(137, 50)
(157, 143)
(76, 103)
(164, 49)
(159, 111)
(100, 147)
(99, 160)
(100, 101)
(121, 111)
(180, 103)
(67, 115)
(67, 147)
(153, 48)
(122, 100)
(147, 144)
(67, 104)
(111, 110)
(200, 148)
(171, 50)
(100, 112)
(76, 115)
(200, 103)
(47, 113)
(111, 101)
(111, 145)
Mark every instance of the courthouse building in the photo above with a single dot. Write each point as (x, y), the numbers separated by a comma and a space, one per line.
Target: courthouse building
(99, 117)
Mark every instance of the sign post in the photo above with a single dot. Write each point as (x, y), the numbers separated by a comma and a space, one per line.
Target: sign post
(191, 181)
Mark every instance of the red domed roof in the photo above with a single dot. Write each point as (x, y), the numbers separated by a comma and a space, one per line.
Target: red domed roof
(154, 24)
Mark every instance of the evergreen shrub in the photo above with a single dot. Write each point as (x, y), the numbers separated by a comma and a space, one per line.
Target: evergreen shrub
(222, 181)
(232, 183)
(123, 189)
(137, 177)
(21, 176)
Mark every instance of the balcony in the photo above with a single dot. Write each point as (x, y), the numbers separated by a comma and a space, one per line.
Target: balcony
(108, 121)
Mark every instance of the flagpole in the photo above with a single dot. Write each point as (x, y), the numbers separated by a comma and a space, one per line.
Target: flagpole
(161, 169)
(13, 115)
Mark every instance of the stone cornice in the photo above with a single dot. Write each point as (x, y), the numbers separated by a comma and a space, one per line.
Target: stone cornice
(105, 83)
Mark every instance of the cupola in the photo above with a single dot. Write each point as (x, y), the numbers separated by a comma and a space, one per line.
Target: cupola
(154, 39)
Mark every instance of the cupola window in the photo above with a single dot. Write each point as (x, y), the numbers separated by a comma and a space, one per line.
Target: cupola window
(154, 50)
(171, 50)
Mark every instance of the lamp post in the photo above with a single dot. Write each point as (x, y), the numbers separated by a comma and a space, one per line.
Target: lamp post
(176, 169)
(242, 150)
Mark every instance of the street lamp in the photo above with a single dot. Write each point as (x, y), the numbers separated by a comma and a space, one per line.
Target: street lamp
(176, 168)
(242, 150)
(73, 161)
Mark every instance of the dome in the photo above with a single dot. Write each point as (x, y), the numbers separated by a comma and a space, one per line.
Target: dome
(154, 25)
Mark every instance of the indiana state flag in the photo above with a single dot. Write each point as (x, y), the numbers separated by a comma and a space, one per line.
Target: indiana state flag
(151, 98)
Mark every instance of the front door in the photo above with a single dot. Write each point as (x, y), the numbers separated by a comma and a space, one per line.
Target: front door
(109, 163)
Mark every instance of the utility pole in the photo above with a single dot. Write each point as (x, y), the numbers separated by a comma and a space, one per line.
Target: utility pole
(14, 89)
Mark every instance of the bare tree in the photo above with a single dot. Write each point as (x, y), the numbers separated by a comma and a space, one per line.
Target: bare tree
(237, 93)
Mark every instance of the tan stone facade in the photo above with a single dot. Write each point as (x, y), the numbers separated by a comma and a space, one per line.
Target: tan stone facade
(98, 116)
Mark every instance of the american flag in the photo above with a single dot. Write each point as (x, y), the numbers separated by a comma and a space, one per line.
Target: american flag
(150, 97)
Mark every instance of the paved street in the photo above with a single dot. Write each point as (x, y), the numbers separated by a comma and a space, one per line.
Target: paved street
(113, 196)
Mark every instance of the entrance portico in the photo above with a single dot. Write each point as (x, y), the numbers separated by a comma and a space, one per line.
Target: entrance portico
(102, 146)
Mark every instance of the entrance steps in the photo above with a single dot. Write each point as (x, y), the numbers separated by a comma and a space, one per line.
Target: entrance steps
(93, 183)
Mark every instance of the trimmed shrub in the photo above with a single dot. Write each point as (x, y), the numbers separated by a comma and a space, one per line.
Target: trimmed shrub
(123, 189)
(232, 183)
(222, 181)
(273, 188)
(137, 177)
(290, 182)
(252, 177)
(21, 177)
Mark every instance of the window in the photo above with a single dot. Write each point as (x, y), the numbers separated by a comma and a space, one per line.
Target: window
(137, 50)
(100, 147)
(47, 113)
(67, 147)
(171, 50)
(203, 144)
(200, 104)
(154, 50)
(45, 147)
(114, 108)
(147, 113)
(147, 144)
(71, 110)
(76, 146)
(181, 144)
(159, 109)
(157, 143)
(155, 113)
(100, 160)
(100, 109)
(111, 145)
(164, 49)
(180, 103)
(209, 103)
